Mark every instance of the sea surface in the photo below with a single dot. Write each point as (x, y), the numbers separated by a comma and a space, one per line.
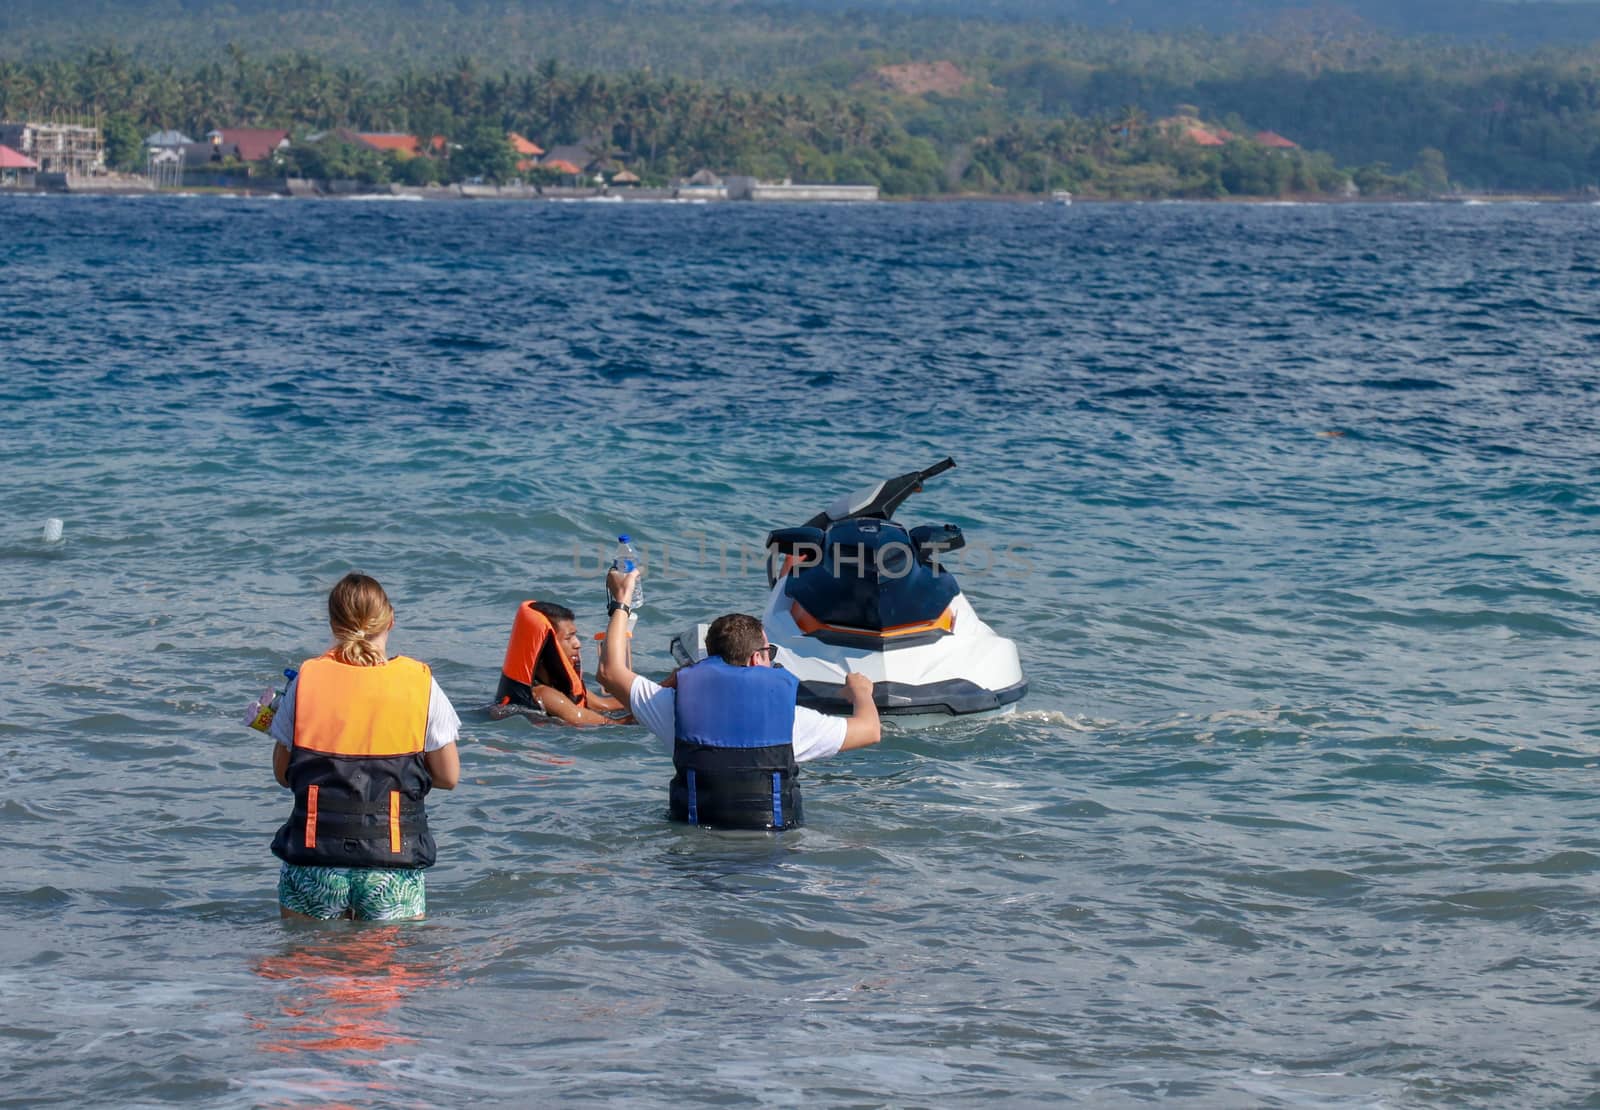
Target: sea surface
(1294, 514)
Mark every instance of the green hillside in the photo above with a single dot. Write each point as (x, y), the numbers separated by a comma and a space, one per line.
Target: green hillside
(739, 39)
(668, 87)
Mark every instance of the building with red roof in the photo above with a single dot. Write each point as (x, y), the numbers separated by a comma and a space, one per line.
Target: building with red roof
(1275, 141)
(406, 146)
(580, 156)
(12, 160)
(1190, 128)
(13, 164)
(528, 151)
(1203, 136)
(247, 144)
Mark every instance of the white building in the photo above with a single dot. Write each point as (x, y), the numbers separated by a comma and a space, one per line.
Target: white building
(58, 147)
(748, 188)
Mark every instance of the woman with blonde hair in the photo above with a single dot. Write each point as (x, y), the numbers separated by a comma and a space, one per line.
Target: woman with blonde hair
(362, 737)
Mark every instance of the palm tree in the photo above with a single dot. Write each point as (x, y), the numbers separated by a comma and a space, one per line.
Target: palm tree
(1129, 120)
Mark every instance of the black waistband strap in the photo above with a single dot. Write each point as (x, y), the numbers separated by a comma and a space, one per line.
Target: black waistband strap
(326, 805)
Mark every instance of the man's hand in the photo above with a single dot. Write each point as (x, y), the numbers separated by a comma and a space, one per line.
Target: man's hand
(858, 687)
(862, 728)
(621, 585)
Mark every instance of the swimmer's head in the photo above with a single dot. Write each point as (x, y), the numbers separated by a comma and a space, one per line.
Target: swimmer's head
(737, 637)
(565, 626)
(359, 614)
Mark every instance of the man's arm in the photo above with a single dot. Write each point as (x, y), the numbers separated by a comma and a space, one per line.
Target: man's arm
(604, 701)
(615, 674)
(863, 728)
(563, 708)
(280, 763)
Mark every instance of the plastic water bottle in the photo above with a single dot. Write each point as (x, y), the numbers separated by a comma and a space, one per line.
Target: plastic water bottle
(265, 708)
(627, 561)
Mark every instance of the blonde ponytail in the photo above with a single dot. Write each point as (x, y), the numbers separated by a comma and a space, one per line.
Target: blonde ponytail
(358, 611)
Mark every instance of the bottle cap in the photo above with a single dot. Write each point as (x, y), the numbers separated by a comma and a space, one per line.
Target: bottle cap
(622, 539)
(289, 673)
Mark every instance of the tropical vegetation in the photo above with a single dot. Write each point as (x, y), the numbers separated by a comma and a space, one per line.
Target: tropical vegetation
(802, 93)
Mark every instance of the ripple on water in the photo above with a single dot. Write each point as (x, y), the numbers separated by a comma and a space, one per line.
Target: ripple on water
(1298, 810)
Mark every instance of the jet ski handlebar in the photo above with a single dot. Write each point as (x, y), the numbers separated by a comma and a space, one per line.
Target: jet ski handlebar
(879, 501)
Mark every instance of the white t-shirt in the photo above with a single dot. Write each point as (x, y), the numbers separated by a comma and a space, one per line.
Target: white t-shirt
(443, 724)
(816, 735)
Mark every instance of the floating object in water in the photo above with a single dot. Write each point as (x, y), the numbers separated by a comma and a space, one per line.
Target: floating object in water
(52, 530)
(857, 592)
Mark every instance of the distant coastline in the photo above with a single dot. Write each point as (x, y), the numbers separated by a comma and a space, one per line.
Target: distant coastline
(557, 195)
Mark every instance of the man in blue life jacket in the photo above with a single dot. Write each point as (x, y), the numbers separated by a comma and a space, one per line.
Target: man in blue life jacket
(737, 735)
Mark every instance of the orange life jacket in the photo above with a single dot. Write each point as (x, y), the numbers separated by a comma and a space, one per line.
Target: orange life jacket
(533, 643)
(357, 767)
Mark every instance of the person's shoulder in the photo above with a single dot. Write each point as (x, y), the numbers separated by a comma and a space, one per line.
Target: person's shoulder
(439, 703)
(644, 689)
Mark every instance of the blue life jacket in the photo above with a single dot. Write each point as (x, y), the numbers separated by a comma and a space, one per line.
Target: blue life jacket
(734, 747)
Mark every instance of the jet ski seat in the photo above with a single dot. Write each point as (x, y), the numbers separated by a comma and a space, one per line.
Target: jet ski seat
(872, 584)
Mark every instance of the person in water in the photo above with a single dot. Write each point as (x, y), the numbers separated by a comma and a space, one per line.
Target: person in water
(737, 735)
(362, 737)
(543, 668)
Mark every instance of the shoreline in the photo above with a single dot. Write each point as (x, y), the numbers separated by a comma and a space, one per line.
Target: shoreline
(567, 195)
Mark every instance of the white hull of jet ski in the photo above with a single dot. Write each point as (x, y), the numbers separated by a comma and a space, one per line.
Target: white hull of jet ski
(971, 671)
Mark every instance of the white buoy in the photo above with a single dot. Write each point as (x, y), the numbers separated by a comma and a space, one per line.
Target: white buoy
(52, 530)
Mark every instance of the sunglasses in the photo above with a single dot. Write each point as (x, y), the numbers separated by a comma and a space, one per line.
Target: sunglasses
(770, 651)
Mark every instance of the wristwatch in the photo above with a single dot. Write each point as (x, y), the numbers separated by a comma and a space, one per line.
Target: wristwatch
(613, 605)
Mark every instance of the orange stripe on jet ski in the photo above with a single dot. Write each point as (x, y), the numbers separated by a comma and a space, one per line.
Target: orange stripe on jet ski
(945, 622)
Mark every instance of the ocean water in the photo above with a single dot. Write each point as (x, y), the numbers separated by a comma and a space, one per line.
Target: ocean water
(1291, 511)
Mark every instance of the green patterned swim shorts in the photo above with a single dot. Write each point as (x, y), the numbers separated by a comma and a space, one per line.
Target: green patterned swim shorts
(365, 893)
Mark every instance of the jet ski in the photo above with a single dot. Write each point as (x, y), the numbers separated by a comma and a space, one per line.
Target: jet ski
(853, 589)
